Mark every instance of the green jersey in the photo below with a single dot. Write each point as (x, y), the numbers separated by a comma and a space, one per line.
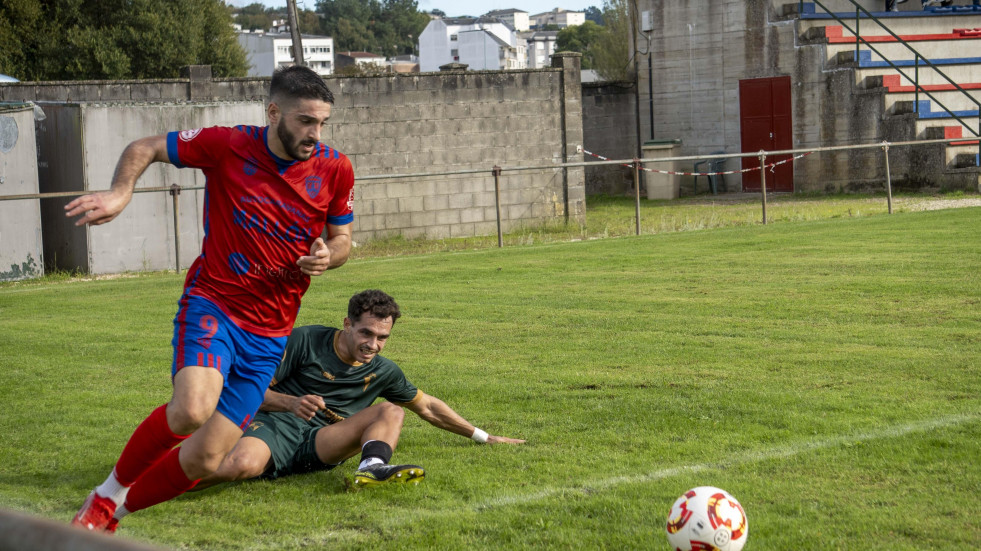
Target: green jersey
(311, 366)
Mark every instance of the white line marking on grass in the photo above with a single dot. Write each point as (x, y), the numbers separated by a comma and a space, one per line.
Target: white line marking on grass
(779, 452)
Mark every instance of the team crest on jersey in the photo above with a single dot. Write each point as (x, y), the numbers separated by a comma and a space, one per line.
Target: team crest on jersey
(188, 135)
(313, 186)
(250, 167)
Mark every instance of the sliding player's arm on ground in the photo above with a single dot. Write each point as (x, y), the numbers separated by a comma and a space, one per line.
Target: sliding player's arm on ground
(102, 206)
(304, 407)
(437, 413)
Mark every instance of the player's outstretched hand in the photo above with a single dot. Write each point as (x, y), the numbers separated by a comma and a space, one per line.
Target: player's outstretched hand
(491, 439)
(305, 407)
(317, 261)
(98, 208)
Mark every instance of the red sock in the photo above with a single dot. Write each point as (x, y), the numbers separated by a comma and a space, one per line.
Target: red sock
(164, 481)
(150, 442)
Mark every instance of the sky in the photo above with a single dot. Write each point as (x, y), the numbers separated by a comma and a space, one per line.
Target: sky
(464, 7)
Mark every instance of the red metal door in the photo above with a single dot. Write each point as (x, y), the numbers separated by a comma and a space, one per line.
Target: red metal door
(766, 123)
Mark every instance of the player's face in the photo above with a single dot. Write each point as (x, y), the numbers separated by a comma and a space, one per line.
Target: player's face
(298, 125)
(366, 337)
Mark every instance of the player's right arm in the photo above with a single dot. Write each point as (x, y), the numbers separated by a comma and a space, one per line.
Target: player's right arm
(102, 206)
(304, 407)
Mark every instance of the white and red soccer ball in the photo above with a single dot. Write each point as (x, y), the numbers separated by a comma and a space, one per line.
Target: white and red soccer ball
(707, 519)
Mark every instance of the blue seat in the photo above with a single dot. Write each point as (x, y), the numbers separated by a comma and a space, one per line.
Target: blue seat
(714, 165)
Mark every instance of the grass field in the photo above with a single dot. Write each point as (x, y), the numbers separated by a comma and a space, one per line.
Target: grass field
(825, 372)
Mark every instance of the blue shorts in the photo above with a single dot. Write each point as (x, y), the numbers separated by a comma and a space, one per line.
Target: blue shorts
(205, 336)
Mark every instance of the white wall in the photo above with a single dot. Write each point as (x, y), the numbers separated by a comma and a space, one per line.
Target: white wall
(434, 46)
(479, 51)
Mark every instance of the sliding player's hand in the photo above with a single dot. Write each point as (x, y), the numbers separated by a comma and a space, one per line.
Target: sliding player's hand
(317, 261)
(305, 407)
(491, 439)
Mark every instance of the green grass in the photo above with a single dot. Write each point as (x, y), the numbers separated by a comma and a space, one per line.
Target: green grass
(616, 217)
(825, 372)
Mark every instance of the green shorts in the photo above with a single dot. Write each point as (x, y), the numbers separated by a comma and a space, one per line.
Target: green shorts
(291, 441)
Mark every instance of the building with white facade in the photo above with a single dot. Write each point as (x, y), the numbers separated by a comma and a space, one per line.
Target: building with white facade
(268, 51)
(348, 59)
(484, 43)
(559, 17)
(517, 19)
(540, 47)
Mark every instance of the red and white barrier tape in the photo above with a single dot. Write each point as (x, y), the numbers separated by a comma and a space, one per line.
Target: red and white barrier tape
(771, 166)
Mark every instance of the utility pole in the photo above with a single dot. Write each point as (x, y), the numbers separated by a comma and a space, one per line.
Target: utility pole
(293, 21)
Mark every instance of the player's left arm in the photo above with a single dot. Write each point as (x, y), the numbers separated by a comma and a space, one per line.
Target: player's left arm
(437, 413)
(330, 254)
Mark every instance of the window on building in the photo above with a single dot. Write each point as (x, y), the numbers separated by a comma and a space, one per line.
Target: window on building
(453, 38)
(455, 54)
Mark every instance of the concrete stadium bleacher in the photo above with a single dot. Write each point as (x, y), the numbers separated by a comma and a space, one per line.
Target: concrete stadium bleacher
(950, 38)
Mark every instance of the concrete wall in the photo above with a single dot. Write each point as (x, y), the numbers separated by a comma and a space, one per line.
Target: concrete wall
(700, 51)
(20, 221)
(392, 124)
(610, 130)
(79, 147)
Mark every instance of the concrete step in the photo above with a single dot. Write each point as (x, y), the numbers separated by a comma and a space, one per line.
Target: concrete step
(931, 50)
(864, 77)
(925, 109)
(956, 154)
(956, 101)
(897, 83)
(869, 60)
(940, 30)
(846, 10)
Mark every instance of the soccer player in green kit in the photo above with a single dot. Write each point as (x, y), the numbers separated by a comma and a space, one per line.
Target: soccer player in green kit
(317, 411)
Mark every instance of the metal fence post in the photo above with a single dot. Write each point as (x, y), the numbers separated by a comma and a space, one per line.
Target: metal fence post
(763, 181)
(497, 203)
(885, 151)
(175, 191)
(637, 194)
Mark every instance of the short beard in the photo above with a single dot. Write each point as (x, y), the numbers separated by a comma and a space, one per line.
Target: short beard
(290, 143)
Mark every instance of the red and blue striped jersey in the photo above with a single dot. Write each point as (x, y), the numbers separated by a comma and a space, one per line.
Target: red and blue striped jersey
(261, 213)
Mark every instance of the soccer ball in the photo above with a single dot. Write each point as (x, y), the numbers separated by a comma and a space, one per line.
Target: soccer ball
(707, 519)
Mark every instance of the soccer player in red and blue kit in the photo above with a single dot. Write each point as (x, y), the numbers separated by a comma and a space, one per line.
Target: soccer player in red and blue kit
(270, 193)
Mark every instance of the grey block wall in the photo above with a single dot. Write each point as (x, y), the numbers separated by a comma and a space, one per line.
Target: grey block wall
(609, 129)
(387, 125)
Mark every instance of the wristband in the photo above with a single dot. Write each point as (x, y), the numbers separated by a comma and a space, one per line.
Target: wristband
(479, 436)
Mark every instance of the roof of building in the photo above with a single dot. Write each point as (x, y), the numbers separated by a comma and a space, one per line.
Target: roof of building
(458, 20)
(555, 12)
(361, 55)
(279, 36)
(538, 35)
(494, 13)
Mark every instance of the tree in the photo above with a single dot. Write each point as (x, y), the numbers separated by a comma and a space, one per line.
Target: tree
(605, 49)
(388, 27)
(595, 15)
(254, 17)
(611, 52)
(116, 39)
(580, 38)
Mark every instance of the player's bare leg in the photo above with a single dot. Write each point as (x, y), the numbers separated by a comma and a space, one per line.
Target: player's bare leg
(249, 459)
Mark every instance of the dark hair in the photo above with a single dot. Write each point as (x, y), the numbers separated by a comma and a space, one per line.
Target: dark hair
(298, 82)
(375, 302)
